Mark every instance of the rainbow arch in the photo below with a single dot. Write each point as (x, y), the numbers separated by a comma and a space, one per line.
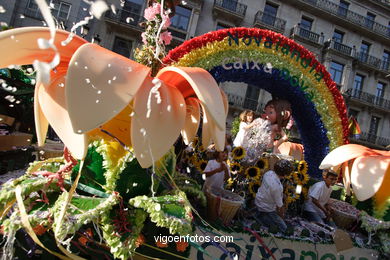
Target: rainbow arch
(282, 67)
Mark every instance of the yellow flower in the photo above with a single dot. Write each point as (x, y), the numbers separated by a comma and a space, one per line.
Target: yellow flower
(289, 191)
(252, 172)
(302, 167)
(238, 153)
(262, 163)
(201, 165)
(236, 167)
(253, 187)
(300, 177)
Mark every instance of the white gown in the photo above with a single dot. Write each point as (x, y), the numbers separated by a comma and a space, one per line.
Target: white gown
(240, 139)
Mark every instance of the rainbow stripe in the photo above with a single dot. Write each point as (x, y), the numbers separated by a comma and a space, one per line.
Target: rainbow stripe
(296, 75)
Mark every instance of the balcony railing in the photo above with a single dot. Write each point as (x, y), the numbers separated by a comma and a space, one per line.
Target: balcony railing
(125, 17)
(369, 60)
(372, 138)
(297, 30)
(270, 20)
(368, 98)
(342, 48)
(350, 16)
(231, 6)
(244, 102)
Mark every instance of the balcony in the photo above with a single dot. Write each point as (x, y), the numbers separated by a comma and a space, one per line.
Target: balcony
(241, 103)
(268, 21)
(230, 10)
(341, 48)
(368, 99)
(371, 139)
(306, 35)
(369, 60)
(126, 18)
(36, 14)
(345, 15)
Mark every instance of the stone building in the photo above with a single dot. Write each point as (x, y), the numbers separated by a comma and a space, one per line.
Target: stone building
(350, 37)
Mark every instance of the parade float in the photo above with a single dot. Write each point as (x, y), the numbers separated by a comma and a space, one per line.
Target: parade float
(120, 183)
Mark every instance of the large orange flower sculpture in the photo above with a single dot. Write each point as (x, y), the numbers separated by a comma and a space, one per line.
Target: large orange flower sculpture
(368, 171)
(94, 91)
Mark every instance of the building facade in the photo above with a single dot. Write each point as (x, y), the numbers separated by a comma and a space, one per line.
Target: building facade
(350, 37)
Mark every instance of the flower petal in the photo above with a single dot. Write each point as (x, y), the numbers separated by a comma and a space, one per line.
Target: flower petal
(345, 153)
(197, 81)
(225, 102)
(100, 84)
(118, 127)
(22, 43)
(368, 174)
(41, 123)
(192, 121)
(153, 136)
(53, 105)
(210, 132)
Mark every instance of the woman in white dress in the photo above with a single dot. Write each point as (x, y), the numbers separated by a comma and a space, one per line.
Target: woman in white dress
(246, 119)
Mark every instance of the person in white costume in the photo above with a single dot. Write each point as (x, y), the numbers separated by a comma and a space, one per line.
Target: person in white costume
(216, 171)
(246, 119)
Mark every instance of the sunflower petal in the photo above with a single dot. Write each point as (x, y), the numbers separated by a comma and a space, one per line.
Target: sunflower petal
(100, 84)
(53, 105)
(345, 153)
(22, 43)
(192, 120)
(197, 81)
(153, 136)
(368, 174)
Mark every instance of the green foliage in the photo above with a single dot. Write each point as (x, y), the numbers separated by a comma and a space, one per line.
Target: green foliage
(235, 126)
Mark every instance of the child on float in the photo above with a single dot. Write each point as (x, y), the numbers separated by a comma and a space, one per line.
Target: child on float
(316, 207)
(267, 128)
(246, 119)
(216, 171)
(269, 197)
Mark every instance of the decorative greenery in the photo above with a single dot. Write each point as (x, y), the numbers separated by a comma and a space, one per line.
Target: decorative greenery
(235, 126)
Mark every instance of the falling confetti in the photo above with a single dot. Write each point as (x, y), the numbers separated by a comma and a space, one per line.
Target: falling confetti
(98, 8)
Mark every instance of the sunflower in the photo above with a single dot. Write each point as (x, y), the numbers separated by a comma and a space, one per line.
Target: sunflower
(300, 177)
(302, 167)
(201, 165)
(238, 153)
(230, 183)
(235, 167)
(253, 187)
(289, 191)
(252, 172)
(262, 163)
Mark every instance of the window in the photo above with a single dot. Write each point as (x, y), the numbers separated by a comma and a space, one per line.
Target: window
(370, 19)
(357, 85)
(380, 92)
(181, 19)
(270, 11)
(336, 70)
(222, 26)
(122, 47)
(386, 60)
(374, 123)
(343, 8)
(60, 10)
(364, 50)
(306, 23)
(251, 97)
(338, 36)
(132, 9)
(32, 10)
